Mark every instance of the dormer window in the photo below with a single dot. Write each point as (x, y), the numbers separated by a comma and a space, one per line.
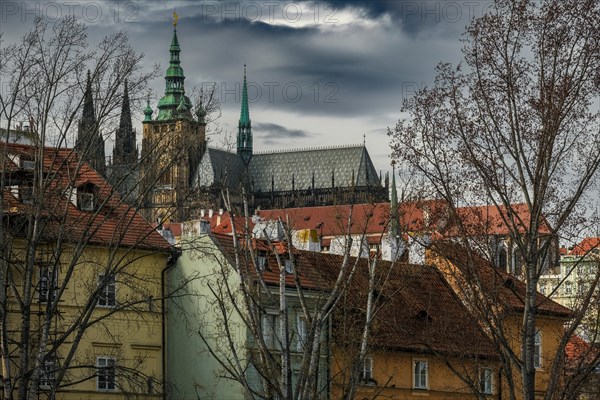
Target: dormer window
(26, 194)
(289, 267)
(86, 197)
(27, 163)
(261, 262)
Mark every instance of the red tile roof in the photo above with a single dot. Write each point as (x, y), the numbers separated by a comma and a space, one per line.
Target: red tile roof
(586, 246)
(417, 309)
(504, 288)
(579, 353)
(373, 219)
(113, 222)
(366, 218)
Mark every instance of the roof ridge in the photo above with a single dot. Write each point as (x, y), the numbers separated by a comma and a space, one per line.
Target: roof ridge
(315, 148)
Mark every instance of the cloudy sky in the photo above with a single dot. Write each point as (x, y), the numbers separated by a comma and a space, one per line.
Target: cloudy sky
(320, 73)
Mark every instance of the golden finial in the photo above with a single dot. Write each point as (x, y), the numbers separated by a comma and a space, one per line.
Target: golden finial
(175, 18)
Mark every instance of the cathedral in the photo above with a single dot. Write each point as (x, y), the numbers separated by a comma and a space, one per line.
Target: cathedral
(179, 174)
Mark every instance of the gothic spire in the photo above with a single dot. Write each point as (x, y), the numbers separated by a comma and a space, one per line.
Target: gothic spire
(89, 143)
(88, 117)
(125, 141)
(244, 139)
(394, 223)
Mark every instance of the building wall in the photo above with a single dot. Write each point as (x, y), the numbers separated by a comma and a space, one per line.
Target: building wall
(133, 338)
(191, 371)
(569, 284)
(393, 372)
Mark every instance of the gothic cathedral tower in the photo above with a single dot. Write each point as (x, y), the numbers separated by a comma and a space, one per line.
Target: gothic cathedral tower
(89, 143)
(172, 146)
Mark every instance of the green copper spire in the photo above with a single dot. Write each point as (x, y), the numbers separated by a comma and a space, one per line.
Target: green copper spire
(244, 139)
(394, 223)
(174, 89)
(148, 111)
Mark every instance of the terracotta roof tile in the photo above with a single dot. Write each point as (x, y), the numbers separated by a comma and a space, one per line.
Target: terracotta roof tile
(112, 223)
(418, 310)
(506, 288)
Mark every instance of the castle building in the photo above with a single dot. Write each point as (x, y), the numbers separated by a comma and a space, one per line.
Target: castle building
(182, 175)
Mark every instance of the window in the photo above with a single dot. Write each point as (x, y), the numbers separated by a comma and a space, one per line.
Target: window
(289, 268)
(47, 285)
(105, 373)
(301, 326)
(537, 354)
(485, 380)
(47, 372)
(107, 296)
(568, 287)
(85, 201)
(420, 374)
(26, 194)
(27, 163)
(261, 262)
(543, 289)
(268, 325)
(367, 372)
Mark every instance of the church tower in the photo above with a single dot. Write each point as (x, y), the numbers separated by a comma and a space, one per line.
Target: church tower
(124, 171)
(125, 151)
(172, 146)
(244, 138)
(89, 143)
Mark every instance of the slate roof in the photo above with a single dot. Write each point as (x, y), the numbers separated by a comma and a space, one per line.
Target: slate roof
(323, 162)
(280, 166)
(219, 167)
(115, 223)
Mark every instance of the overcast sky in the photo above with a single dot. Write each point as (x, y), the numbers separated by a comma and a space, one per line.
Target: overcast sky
(320, 73)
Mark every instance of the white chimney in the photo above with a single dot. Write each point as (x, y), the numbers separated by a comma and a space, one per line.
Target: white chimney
(202, 213)
(210, 213)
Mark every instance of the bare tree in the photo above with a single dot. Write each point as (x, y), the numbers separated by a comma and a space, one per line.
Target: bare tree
(78, 265)
(514, 123)
(280, 301)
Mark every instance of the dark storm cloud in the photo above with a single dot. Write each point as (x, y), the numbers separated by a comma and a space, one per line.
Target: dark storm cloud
(272, 133)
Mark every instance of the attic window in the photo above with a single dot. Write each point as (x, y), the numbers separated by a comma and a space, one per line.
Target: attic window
(261, 262)
(26, 194)
(307, 218)
(86, 198)
(289, 268)
(27, 163)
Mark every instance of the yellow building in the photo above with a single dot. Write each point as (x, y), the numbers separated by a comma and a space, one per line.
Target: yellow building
(423, 341)
(496, 300)
(81, 311)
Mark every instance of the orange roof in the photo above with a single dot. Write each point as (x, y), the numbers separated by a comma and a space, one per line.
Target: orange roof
(373, 219)
(490, 220)
(586, 246)
(366, 218)
(113, 222)
(579, 353)
(306, 262)
(505, 288)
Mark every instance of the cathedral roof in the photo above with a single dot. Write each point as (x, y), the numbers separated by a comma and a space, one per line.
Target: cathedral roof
(219, 167)
(329, 165)
(339, 166)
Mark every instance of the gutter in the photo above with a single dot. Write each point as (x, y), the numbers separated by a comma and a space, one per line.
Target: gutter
(175, 254)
